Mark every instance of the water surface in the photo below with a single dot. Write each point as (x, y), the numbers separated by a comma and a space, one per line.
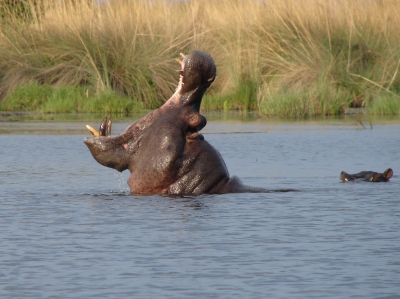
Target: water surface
(70, 229)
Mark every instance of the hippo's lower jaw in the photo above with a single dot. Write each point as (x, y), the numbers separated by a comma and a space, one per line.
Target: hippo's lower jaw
(368, 176)
(108, 152)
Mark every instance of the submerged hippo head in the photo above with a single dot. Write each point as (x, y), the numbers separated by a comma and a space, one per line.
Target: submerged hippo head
(164, 151)
(368, 176)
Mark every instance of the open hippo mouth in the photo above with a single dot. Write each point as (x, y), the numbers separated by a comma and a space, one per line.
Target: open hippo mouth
(164, 151)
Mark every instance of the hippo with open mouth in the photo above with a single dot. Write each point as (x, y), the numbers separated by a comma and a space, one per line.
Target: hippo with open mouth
(368, 176)
(164, 151)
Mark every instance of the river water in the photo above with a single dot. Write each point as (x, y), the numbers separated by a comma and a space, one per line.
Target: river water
(70, 229)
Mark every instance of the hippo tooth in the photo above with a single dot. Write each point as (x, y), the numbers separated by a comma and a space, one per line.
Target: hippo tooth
(108, 129)
(180, 61)
(94, 132)
(103, 127)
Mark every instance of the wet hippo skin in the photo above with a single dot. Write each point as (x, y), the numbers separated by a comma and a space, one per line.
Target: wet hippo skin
(164, 151)
(369, 176)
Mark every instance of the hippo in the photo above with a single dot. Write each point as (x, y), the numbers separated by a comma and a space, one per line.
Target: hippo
(164, 151)
(368, 176)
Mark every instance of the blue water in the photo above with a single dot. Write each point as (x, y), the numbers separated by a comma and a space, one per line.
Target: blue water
(70, 229)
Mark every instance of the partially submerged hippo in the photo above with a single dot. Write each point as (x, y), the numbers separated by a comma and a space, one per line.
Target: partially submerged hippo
(164, 151)
(369, 176)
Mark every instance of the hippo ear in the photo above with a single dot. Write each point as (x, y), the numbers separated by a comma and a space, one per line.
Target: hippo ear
(388, 173)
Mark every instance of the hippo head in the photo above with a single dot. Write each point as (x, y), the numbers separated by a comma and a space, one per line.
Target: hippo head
(380, 177)
(368, 176)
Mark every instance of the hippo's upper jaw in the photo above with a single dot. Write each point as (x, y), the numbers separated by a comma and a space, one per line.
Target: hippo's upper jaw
(197, 73)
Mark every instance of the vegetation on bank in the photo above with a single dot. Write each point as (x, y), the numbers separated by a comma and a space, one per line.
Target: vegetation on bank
(282, 58)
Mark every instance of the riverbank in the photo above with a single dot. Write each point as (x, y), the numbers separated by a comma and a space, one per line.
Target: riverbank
(281, 58)
(354, 117)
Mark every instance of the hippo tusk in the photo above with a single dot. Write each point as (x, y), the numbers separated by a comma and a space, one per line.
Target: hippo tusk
(93, 131)
(104, 130)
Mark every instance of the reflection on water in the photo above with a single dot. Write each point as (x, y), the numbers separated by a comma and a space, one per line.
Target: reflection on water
(70, 229)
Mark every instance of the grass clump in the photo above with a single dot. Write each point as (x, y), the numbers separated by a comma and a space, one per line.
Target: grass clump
(112, 46)
(286, 58)
(66, 99)
(316, 100)
(243, 96)
(326, 56)
(384, 104)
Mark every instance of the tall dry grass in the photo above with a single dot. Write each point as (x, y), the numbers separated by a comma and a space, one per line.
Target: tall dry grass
(293, 58)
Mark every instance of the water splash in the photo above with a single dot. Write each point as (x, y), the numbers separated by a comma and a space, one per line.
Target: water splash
(119, 178)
